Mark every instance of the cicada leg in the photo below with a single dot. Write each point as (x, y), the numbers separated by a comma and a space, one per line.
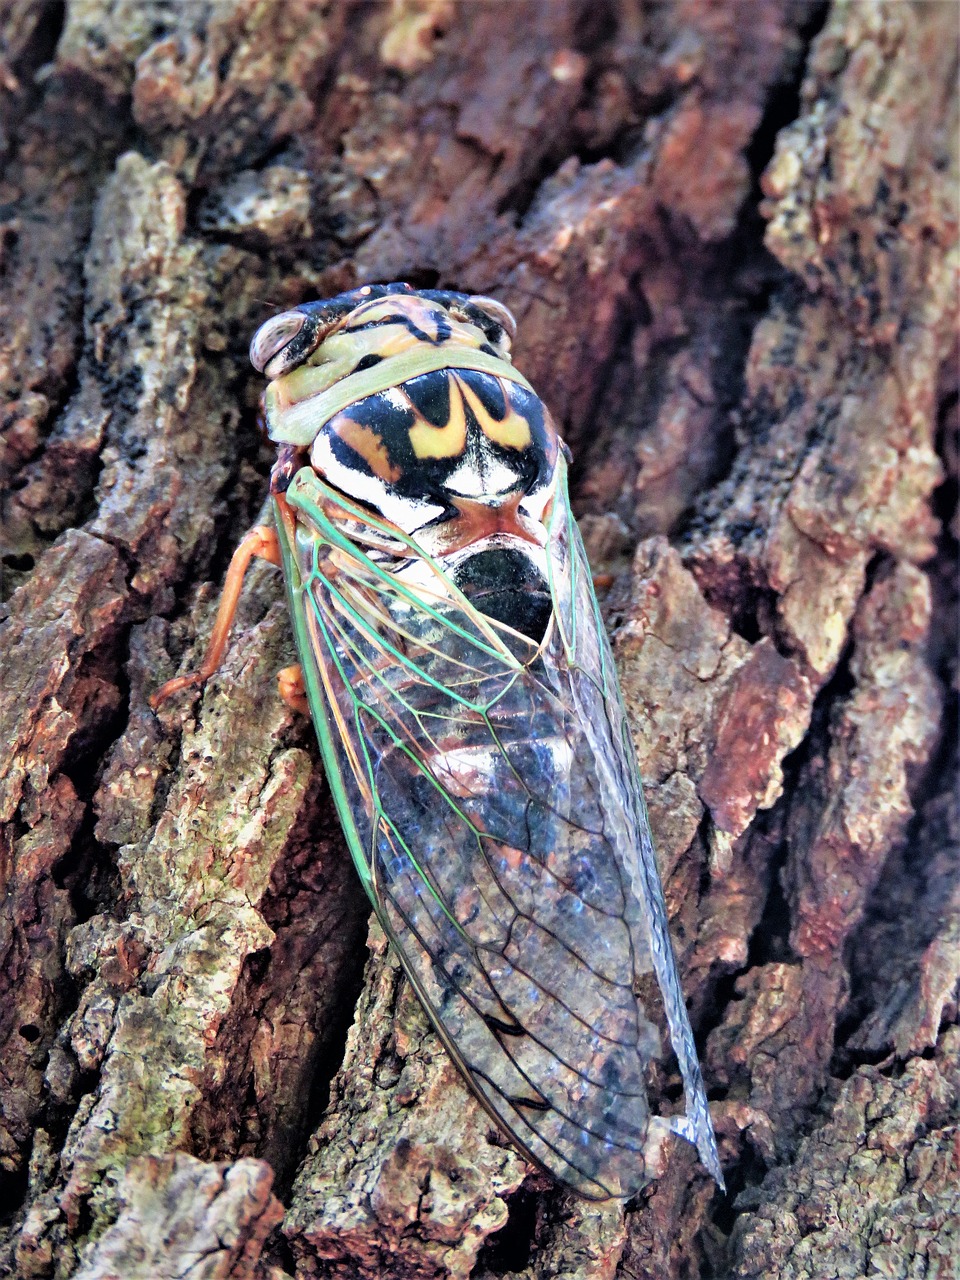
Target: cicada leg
(292, 688)
(260, 543)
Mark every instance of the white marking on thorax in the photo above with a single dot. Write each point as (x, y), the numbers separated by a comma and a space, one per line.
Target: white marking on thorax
(407, 513)
(481, 474)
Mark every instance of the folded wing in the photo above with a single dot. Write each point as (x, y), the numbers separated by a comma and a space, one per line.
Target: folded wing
(492, 804)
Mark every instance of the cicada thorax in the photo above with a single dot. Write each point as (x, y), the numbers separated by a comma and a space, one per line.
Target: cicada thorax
(417, 414)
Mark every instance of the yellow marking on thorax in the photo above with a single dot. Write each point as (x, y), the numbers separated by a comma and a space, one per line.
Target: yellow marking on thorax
(512, 432)
(448, 441)
(365, 441)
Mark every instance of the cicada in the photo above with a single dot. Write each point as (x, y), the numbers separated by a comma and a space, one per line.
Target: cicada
(466, 703)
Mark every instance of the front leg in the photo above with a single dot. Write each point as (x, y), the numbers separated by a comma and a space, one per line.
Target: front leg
(260, 543)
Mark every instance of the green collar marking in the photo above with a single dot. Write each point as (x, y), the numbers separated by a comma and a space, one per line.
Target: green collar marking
(299, 423)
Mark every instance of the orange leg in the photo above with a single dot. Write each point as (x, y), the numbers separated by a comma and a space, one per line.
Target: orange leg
(292, 688)
(260, 543)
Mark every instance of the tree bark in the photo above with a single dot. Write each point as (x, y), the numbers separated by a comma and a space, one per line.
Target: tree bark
(729, 234)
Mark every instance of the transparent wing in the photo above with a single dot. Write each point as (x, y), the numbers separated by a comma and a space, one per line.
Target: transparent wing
(491, 801)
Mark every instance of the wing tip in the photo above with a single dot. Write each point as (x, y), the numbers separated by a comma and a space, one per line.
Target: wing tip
(698, 1130)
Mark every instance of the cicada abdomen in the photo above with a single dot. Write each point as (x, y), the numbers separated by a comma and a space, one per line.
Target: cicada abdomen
(470, 722)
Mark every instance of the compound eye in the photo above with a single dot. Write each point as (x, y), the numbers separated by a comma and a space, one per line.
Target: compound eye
(271, 340)
(498, 312)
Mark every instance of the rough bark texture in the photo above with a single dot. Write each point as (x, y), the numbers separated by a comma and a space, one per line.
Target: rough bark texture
(729, 234)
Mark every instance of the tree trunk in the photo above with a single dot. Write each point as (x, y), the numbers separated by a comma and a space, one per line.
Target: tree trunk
(728, 233)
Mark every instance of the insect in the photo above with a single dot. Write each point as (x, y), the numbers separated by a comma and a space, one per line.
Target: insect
(471, 726)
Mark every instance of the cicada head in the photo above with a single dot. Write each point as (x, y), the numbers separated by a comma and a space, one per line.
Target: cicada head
(290, 339)
(407, 402)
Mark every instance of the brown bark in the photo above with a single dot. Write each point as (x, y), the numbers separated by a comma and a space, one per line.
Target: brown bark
(754, 374)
